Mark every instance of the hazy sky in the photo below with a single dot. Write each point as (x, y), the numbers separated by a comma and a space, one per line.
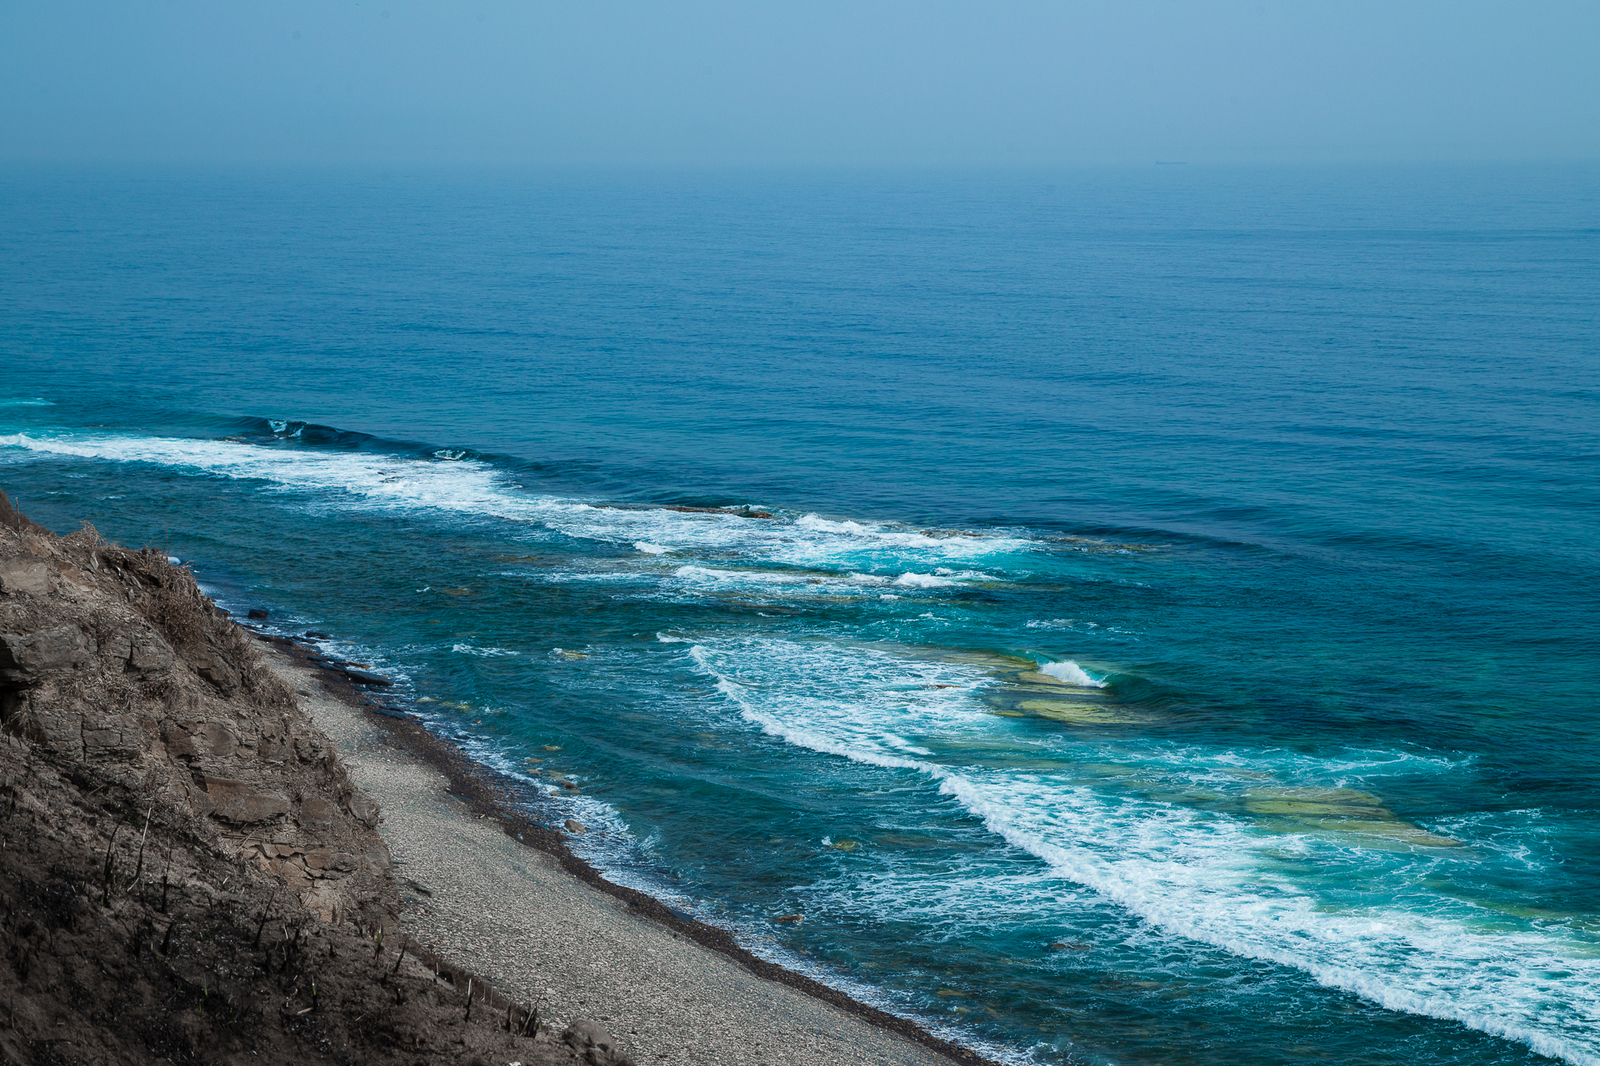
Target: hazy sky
(697, 82)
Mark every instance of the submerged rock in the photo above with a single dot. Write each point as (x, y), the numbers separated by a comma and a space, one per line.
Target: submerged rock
(1340, 810)
(1083, 713)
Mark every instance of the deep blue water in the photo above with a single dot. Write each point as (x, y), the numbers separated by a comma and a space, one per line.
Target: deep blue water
(1174, 638)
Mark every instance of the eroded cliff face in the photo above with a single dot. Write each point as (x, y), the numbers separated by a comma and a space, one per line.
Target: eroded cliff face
(114, 659)
(187, 874)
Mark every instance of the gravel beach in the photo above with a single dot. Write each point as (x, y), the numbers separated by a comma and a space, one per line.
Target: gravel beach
(512, 913)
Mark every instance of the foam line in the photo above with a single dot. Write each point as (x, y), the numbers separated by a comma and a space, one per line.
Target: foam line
(461, 485)
(1207, 876)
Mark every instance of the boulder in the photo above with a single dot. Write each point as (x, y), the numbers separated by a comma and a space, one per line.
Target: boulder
(214, 738)
(150, 656)
(327, 859)
(363, 807)
(316, 812)
(26, 658)
(46, 718)
(138, 651)
(179, 742)
(211, 666)
(593, 1044)
(190, 740)
(31, 576)
(243, 802)
(109, 741)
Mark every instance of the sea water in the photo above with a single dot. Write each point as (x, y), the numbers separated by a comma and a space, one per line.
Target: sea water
(1130, 616)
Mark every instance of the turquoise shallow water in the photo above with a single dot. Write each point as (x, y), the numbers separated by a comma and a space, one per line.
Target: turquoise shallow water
(1172, 634)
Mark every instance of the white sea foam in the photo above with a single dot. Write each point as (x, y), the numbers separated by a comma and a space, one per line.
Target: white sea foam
(1072, 673)
(577, 577)
(924, 581)
(1206, 875)
(353, 478)
(1210, 880)
(967, 575)
(713, 576)
(461, 485)
(857, 702)
(482, 653)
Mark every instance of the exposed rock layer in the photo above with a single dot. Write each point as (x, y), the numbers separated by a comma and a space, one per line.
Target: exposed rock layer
(187, 873)
(115, 659)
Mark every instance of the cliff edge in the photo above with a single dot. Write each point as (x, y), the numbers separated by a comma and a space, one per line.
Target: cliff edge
(187, 873)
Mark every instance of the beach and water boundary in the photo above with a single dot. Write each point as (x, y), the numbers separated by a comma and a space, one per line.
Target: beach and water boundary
(393, 757)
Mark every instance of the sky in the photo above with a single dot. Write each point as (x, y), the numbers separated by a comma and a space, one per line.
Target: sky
(819, 83)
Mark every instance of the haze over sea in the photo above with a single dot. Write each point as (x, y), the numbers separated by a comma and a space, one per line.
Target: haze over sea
(1134, 615)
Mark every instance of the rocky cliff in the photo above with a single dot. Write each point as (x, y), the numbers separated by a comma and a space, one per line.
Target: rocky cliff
(114, 660)
(186, 872)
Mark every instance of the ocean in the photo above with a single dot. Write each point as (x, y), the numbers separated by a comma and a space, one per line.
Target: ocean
(1136, 616)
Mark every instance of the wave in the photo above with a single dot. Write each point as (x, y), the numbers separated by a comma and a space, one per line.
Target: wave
(344, 470)
(482, 653)
(1072, 674)
(924, 581)
(715, 576)
(1418, 963)
(1206, 875)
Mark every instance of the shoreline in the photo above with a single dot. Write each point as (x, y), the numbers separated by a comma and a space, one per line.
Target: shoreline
(493, 799)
